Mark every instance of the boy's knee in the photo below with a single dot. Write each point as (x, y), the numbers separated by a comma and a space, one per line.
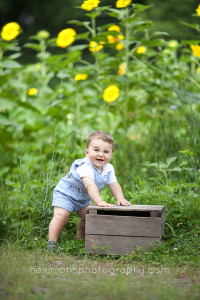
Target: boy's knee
(61, 216)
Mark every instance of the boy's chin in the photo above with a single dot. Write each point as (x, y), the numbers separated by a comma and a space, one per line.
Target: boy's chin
(99, 166)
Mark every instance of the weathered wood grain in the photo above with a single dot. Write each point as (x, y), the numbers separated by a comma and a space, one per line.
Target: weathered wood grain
(123, 225)
(133, 207)
(92, 211)
(114, 245)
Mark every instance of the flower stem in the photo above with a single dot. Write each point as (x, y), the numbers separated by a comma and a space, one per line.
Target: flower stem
(43, 68)
(96, 65)
(1, 60)
(78, 105)
(93, 27)
(127, 35)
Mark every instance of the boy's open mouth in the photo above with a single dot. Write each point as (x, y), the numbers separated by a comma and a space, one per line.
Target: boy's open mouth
(99, 159)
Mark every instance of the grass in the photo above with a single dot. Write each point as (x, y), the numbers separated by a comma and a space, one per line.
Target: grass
(36, 274)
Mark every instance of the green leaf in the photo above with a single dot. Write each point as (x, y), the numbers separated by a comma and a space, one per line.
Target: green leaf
(44, 55)
(76, 22)
(55, 111)
(5, 122)
(34, 37)
(6, 104)
(93, 15)
(162, 165)
(134, 22)
(155, 43)
(74, 55)
(117, 13)
(173, 232)
(140, 8)
(186, 96)
(11, 64)
(170, 160)
(15, 55)
(165, 188)
(56, 102)
(184, 163)
(17, 84)
(179, 199)
(6, 136)
(63, 74)
(151, 164)
(28, 106)
(160, 33)
(58, 62)
(176, 169)
(102, 8)
(82, 36)
(35, 47)
(190, 42)
(187, 151)
(7, 46)
(194, 26)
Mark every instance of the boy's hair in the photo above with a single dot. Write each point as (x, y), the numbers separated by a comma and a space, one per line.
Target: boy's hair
(102, 135)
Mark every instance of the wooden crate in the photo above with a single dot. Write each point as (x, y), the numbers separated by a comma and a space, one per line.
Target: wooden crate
(118, 229)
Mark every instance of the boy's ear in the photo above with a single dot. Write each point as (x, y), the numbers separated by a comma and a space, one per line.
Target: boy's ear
(86, 151)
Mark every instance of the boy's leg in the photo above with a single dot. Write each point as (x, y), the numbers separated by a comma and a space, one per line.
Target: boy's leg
(60, 218)
(81, 223)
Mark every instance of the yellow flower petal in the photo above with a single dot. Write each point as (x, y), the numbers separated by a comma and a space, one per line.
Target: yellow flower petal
(114, 28)
(198, 10)
(95, 47)
(141, 50)
(111, 93)
(32, 92)
(122, 3)
(90, 4)
(195, 50)
(81, 77)
(10, 31)
(122, 69)
(66, 37)
(119, 46)
(112, 39)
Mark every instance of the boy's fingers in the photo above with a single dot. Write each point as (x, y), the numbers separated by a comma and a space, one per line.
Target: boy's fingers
(124, 203)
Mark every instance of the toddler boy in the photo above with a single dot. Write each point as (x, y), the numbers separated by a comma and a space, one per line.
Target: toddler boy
(85, 179)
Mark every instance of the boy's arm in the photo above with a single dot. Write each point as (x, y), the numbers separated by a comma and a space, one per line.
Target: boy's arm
(118, 194)
(93, 191)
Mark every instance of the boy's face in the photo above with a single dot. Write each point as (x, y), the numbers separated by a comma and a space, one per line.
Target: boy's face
(99, 153)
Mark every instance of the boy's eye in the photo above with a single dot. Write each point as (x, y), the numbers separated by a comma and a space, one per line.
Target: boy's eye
(96, 150)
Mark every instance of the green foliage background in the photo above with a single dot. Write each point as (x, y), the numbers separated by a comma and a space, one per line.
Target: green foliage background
(52, 16)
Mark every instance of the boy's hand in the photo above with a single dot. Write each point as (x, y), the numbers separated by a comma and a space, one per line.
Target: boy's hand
(104, 204)
(123, 202)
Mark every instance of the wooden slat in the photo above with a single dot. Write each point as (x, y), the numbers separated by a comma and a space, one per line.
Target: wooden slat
(133, 207)
(92, 212)
(155, 214)
(117, 245)
(123, 226)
